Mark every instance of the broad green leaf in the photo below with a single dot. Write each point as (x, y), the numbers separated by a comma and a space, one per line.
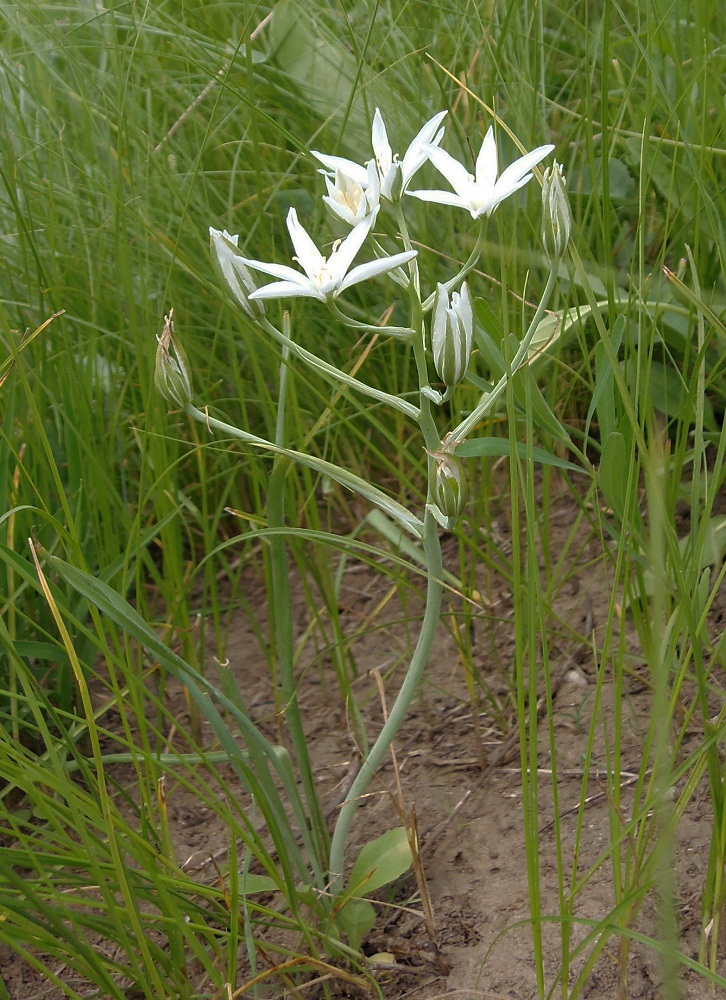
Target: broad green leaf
(357, 918)
(381, 861)
(258, 883)
(622, 185)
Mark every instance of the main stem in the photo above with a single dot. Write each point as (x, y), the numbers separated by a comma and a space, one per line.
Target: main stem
(399, 710)
(434, 592)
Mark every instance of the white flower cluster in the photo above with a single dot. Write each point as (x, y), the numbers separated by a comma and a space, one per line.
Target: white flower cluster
(354, 195)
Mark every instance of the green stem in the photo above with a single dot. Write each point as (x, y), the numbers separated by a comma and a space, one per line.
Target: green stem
(400, 514)
(434, 591)
(401, 332)
(337, 376)
(432, 612)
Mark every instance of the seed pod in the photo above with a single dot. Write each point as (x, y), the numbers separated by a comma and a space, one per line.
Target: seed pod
(449, 488)
(172, 376)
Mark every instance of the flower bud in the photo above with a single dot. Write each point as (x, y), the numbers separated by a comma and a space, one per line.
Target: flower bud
(451, 333)
(392, 182)
(234, 272)
(171, 373)
(449, 487)
(556, 217)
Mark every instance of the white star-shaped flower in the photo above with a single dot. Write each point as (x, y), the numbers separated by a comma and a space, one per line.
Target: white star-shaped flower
(394, 174)
(324, 278)
(480, 193)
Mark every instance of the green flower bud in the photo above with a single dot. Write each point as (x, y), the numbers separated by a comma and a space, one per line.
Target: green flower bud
(556, 217)
(449, 488)
(171, 374)
(451, 334)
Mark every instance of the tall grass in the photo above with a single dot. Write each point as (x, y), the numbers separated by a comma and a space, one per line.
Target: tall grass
(127, 131)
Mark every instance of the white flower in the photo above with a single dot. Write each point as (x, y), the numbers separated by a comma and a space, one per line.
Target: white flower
(451, 334)
(350, 201)
(480, 193)
(325, 277)
(230, 265)
(394, 175)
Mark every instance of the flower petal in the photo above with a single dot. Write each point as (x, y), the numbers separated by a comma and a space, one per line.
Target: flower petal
(308, 255)
(381, 145)
(427, 133)
(442, 197)
(342, 257)
(353, 170)
(504, 191)
(287, 290)
(276, 270)
(380, 266)
(455, 173)
(516, 171)
(415, 156)
(340, 211)
(486, 162)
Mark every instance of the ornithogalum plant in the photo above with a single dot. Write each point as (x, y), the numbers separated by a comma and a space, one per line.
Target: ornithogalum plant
(358, 194)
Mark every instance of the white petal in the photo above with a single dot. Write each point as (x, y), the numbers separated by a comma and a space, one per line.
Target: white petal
(219, 235)
(523, 165)
(486, 162)
(276, 270)
(503, 191)
(427, 133)
(438, 323)
(287, 290)
(308, 255)
(340, 211)
(415, 155)
(456, 174)
(465, 309)
(353, 170)
(364, 271)
(342, 257)
(381, 145)
(441, 197)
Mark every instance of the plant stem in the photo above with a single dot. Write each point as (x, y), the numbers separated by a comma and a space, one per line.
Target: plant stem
(399, 710)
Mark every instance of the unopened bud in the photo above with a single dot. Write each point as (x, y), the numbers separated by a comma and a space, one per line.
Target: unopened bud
(449, 488)
(451, 334)
(234, 272)
(556, 217)
(171, 373)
